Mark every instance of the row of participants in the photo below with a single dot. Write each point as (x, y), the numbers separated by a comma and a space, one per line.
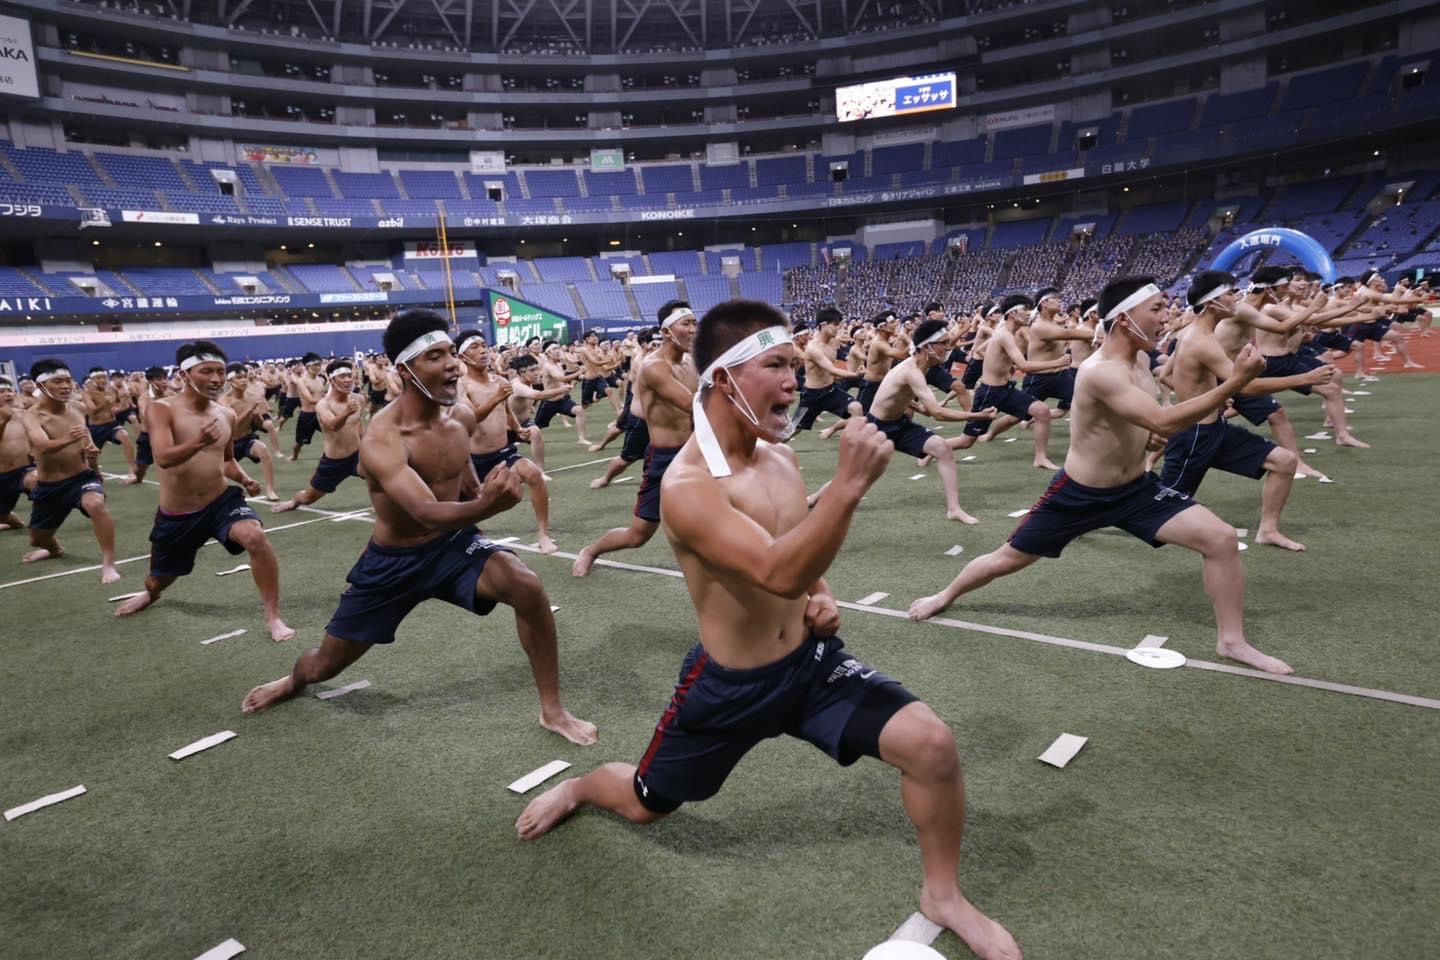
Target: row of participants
(715, 396)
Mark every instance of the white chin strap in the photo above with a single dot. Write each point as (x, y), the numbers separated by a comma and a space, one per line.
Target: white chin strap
(747, 349)
(418, 346)
(1130, 303)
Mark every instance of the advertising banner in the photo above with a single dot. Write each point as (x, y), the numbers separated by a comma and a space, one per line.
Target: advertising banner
(270, 153)
(895, 97)
(607, 160)
(487, 161)
(517, 321)
(1029, 116)
(1054, 176)
(17, 59)
(435, 250)
(158, 216)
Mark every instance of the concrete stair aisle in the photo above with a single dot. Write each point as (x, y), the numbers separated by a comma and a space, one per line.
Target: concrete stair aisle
(101, 172)
(184, 176)
(634, 304)
(209, 284)
(580, 310)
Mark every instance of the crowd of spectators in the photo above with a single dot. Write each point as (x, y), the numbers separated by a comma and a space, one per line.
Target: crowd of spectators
(1098, 259)
(1037, 266)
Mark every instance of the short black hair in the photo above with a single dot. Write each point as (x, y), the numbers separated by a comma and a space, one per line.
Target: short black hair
(1270, 275)
(523, 362)
(1204, 282)
(934, 306)
(1014, 301)
(828, 315)
(310, 358)
(235, 368)
(592, 332)
(547, 344)
(47, 365)
(196, 348)
(336, 364)
(1117, 290)
(531, 340)
(5, 382)
(727, 324)
(1085, 306)
(155, 373)
(408, 326)
(884, 316)
(926, 330)
(95, 370)
(1044, 292)
(669, 307)
(466, 336)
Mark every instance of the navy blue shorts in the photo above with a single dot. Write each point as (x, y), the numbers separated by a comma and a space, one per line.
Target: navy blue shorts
(1059, 385)
(907, 435)
(1375, 330)
(329, 473)
(1067, 510)
(305, 427)
(868, 389)
(1256, 408)
(51, 502)
(244, 447)
(974, 367)
(377, 397)
(851, 383)
(647, 499)
(637, 440)
(1333, 340)
(815, 693)
(1290, 365)
(1190, 453)
(820, 400)
(940, 377)
(386, 583)
(143, 453)
(12, 484)
(272, 392)
(592, 390)
(288, 406)
(1006, 399)
(103, 433)
(485, 462)
(177, 537)
(548, 409)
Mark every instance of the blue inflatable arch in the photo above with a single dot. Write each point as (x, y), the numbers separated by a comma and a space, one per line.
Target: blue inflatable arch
(1305, 248)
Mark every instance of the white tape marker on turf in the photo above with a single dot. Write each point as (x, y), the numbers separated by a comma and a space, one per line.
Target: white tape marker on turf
(875, 597)
(215, 739)
(1361, 393)
(918, 476)
(240, 569)
(1243, 546)
(1311, 450)
(1017, 513)
(341, 691)
(969, 459)
(918, 928)
(125, 596)
(1011, 439)
(1349, 409)
(1063, 750)
(45, 801)
(955, 551)
(223, 636)
(576, 466)
(1322, 435)
(1242, 532)
(536, 777)
(1324, 480)
(621, 480)
(224, 951)
(1151, 640)
(554, 609)
(507, 540)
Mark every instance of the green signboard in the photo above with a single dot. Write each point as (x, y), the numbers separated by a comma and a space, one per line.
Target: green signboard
(517, 321)
(602, 161)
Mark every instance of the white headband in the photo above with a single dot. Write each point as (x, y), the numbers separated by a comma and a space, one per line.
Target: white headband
(679, 313)
(1285, 282)
(339, 370)
(1094, 308)
(422, 343)
(51, 375)
(200, 358)
(747, 349)
(940, 334)
(1132, 301)
(1221, 290)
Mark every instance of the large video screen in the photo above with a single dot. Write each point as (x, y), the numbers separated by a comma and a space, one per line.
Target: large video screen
(896, 97)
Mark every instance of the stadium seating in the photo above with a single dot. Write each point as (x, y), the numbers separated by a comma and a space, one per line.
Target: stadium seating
(430, 185)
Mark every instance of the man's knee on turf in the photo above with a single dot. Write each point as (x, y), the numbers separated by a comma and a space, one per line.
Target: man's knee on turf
(920, 744)
(937, 447)
(250, 535)
(94, 504)
(1282, 461)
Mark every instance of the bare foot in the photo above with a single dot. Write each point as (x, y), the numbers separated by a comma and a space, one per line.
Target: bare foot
(132, 479)
(135, 604)
(271, 495)
(546, 544)
(583, 563)
(1303, 469)
(927, 607)
(10, 526)
(960, 515)
(278, 631)
(269, 694)
(1249, 656)
(577, 731)
(35, 556)
(284, 507)
(546, 810)
(1045, 463)
(599, 483)
(108, 573)
(1277, 539)
(924, 461)
(1350, 440)
(584, 441)
(595, 447)
(986, 938)
(1412, 365)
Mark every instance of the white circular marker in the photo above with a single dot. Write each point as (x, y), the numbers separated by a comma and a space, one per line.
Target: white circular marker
(903, 950)
(1156, 658)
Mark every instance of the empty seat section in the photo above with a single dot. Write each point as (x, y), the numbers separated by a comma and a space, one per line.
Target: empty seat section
(897, 159)
(890, 251)
(552, 183)
(1231, 107)
(13, 283)
(603, 299)
(610, 183)
(783, 256)
(168, 281)
(777, 170)
(302, 181)
(154, 173)
(478, 185)
(1018, 142)
(1153, 218)
(761, 286)
(331, 207)
(431, 185)
(1320, 196)
(550, 296)
(561, 269)
(202, 202)
(590, 205)
(602, 266)
(680, 263)
(1157, 118)
(544, 206)
(653, 296)
(672, 178)
(1019, 233)
(322, 277)
(358, 186)
(47, 195)
(724, 177)
(766, 194)
(409, 208)
(48, 166)
(706, 292)
(1324, 86)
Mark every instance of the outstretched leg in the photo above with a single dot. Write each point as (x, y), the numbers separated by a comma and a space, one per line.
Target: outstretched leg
(530, 475)
(314, 666)
(621, 538)
(613, 469)
(1042, 414)
(610, 787)
(938, 450)
(265, 570)
(104, 527)
(1000, 562)
(267, 469)
(1279, 475)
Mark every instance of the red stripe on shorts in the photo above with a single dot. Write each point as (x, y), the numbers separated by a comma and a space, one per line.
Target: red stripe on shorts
(1050, 491)
(671, 712)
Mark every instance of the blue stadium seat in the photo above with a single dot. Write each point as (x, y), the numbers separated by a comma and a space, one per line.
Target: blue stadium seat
(359, 186)
(431, 185)
(673, 178)
(553, 183)
(302, 181)
(610, 183)
(777, 170)
(724, 177)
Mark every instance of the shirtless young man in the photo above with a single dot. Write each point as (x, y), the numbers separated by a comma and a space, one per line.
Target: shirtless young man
(485, 392)
(525, 396)
(1198, 365)
(102, 404)
(883, 350)
(822, 392)
(595, 368)
(665, 387)
(1001, 353)
(1104, 482)
(191, 435)
(66, 476)
(340, 414)
(250, 412)
(768, 661)
(425, 545)
(310, 387)
(625, 415)
(1373, 290)
(637, 432)
(906, 385)
(552, 377)
(157, 385)
(377, 371)
(255, 389)
(1049, 336)
(290, 383)
(17, 473)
